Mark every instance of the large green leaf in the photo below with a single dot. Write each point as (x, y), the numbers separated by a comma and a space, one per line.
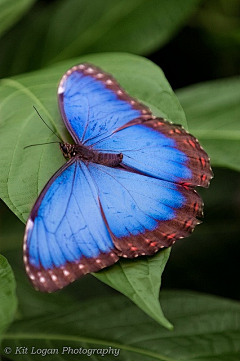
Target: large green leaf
(8, 300)
(206, 328)
(213, 115)
(11, 11)
(70, 28)
(25, 172)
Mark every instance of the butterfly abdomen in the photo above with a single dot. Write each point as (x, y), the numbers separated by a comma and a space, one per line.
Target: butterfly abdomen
(86, 154)
(109, 159)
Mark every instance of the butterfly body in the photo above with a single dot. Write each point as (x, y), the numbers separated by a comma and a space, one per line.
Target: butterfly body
(126, 190)
(84, 153)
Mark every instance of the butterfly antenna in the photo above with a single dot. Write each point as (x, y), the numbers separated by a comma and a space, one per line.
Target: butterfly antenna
(46, 125)
(32, 145)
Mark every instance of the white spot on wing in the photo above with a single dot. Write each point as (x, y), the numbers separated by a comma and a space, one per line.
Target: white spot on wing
(99, 75)
(89, 70)
(54, 277)
(29, 225)
(65, 272)
(61, 87)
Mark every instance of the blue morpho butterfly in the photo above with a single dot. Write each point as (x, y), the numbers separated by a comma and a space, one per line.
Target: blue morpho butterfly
(126, 190)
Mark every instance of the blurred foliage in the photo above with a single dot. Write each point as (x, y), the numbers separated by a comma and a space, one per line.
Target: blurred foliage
(193, 42)
(214, 120)
(10, 12)
(206, 48)
(7, 295)
(65, 29)
(219, 22)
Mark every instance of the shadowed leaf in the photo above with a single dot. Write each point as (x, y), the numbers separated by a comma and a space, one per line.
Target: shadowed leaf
(206, 328)
(213, 114)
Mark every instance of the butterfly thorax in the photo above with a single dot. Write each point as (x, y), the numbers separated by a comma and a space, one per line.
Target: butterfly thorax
(87, 154)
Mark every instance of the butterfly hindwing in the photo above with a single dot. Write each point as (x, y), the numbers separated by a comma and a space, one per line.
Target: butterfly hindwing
(66, 236)
(143, 213)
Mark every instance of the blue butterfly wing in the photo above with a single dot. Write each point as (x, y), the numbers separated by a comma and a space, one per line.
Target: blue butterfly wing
(144, 213)
(79, 225)
(100, 114)
(160, 149)
(93, 105)
(66, 236)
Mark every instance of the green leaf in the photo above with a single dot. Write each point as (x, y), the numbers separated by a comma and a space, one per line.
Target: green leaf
(12, 11)
(25, 172)
(206, 328)
(136, 26)
(213, 114)
(8, 300)
(65, 29)
(140, 280)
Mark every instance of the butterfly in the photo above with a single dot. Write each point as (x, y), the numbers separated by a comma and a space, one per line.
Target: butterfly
(126, 189)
